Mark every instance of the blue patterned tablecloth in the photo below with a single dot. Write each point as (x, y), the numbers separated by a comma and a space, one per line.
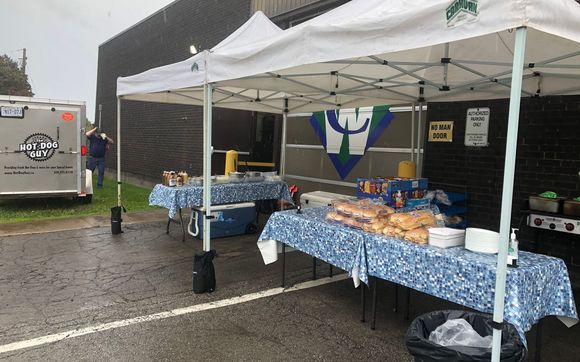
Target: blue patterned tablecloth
(312, 234)
(539, 287)
(175, 198)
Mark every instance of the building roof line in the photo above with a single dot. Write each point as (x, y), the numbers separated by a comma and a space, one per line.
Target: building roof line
(140, 22)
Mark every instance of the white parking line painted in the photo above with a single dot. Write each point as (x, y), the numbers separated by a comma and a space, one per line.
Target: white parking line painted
(51, 338)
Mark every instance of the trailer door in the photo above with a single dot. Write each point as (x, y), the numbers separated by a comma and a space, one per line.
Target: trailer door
(40, 150)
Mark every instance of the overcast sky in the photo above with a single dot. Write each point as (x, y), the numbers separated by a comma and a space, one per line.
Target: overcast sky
(62, 37)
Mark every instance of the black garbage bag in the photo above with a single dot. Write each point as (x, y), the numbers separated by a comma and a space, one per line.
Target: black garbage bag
(204, 272)
(116, 219)
(418, 344)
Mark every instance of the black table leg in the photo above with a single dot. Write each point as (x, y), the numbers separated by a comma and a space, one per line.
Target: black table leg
(182, 225)
(539, 341)
(375, 286)
(283, 265)
(330, 270)
(168, 223)
(396, 303)
(313, 268)
(408, 310)
(363, 302)
(536, 234)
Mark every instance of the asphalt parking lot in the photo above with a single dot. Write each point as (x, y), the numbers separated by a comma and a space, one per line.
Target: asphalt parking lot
(86, 280)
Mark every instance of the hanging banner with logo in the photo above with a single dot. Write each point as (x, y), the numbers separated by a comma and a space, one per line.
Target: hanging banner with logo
(347, 134)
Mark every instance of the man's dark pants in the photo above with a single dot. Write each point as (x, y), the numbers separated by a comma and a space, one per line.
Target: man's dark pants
(98, 163)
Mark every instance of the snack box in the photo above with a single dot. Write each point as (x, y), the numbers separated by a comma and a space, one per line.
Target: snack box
(394, 191)
(418, 204)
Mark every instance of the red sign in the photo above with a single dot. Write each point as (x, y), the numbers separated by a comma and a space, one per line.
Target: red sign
(67, 116)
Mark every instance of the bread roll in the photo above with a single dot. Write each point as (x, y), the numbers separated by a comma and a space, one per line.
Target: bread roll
(399, 232)
(370, 213)
(419, 235)
(389, 230)
(378, 226)
(331, 215)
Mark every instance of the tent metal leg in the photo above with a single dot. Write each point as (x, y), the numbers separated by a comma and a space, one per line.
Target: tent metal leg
(207, 150)
(283, 265)
(508, 186)
(119, 198)
(375, 286)
(284, 132)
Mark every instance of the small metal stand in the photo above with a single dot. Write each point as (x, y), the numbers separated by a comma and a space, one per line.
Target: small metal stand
(170, 220)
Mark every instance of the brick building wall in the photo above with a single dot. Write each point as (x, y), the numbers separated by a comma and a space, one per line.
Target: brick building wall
(548, 158)
(164, 136)
(157, 137)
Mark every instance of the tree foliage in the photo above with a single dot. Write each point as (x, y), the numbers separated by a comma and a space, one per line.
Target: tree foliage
(12, 81)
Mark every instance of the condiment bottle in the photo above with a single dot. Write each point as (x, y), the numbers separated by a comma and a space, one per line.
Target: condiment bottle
(172, 179)
(512, 257)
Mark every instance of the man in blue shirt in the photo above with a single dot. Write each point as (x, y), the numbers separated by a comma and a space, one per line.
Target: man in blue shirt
(97, 151)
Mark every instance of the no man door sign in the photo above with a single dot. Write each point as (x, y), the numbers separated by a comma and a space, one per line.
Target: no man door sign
(441, 131)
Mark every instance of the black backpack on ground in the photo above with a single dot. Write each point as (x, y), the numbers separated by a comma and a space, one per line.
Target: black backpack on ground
(204, 272)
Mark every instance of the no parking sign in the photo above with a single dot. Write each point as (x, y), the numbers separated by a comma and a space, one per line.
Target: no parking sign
(477, 127)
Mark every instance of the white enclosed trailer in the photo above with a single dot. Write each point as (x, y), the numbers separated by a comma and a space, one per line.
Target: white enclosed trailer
(43, 149)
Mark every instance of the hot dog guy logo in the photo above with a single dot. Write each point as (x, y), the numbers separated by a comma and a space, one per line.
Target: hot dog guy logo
(39, 147)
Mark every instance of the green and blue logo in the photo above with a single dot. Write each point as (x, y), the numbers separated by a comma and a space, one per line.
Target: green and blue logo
(461, 11)
(347, 134)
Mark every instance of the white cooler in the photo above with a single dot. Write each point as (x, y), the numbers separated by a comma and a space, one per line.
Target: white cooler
(321, 198)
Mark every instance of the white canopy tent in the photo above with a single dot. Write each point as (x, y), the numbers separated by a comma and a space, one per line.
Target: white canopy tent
(185, 83)
(370, 52)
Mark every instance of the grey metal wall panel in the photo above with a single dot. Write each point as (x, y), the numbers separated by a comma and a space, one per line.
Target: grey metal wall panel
(277, 7)
(397, 135)
(315, 162)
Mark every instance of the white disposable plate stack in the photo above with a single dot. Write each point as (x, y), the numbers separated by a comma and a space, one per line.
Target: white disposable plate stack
(481, 240)
(446, 237)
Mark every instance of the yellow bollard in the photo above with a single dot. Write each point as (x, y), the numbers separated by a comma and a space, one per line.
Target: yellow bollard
(407, 169)
(231, 162)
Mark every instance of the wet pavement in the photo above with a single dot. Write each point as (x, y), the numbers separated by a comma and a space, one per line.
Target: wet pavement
(84, 222)
(60, 281)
